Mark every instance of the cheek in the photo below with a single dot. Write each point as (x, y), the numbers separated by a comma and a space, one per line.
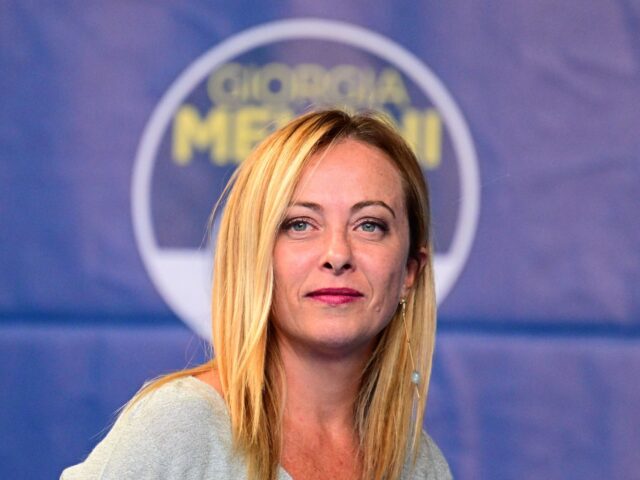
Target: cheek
(279, 280)
(278, 305)
(282, 263)
(290, 268)
(387, 277)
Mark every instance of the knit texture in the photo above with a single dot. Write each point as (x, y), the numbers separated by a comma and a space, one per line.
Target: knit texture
(182, 431)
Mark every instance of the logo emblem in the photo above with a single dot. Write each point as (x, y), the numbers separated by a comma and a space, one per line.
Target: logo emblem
(231, 97)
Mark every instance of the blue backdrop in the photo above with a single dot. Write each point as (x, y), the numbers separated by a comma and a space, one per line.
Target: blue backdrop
(538, 353)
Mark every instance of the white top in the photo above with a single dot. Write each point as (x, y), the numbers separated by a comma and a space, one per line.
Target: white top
(182, 431)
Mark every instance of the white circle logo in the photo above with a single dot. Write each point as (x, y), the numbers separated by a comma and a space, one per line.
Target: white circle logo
(228, 99)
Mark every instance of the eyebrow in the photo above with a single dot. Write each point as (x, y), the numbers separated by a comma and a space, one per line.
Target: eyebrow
(358, 206)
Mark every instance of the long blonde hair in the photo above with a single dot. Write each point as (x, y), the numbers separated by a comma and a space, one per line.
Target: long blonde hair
(246, 358)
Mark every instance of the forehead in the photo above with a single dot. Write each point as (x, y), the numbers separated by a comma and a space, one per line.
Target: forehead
(351, 169)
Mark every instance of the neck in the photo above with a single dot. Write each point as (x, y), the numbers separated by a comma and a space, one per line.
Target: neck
(321, 389)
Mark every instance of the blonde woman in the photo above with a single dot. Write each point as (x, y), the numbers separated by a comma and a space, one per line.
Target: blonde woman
(323, 324)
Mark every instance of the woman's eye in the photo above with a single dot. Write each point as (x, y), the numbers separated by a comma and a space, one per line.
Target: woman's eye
(297, 225)
(372, 227)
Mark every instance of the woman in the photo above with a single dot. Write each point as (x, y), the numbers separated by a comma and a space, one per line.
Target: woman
(323, 323)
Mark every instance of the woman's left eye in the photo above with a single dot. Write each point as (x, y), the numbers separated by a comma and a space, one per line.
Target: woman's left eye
(371, 226)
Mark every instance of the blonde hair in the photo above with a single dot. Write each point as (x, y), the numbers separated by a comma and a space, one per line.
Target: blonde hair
(246, 358)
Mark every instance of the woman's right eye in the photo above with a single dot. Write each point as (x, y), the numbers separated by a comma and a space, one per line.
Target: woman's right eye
(297, 225)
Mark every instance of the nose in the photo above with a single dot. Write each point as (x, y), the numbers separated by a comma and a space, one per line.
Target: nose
(338, 255)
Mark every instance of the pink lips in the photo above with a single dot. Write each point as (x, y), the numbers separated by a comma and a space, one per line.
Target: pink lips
(335, 296)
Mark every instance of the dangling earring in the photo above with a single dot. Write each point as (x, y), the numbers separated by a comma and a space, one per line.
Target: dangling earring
(415, 375)
(415, 379)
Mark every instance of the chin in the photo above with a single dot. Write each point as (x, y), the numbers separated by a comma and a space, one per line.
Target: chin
(341, 344)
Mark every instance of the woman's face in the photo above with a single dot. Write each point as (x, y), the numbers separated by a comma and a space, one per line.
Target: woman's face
(340, 258)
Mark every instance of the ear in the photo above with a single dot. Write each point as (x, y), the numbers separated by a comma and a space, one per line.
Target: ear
(414, 267)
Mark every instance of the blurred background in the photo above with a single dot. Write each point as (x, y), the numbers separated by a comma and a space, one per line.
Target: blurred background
(120, 122)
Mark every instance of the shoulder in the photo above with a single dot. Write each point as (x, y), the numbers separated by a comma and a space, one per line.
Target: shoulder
(180, 430)
(180, 406)
(430, 463)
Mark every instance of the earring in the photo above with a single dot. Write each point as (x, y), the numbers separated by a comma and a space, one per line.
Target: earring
(415, 379)
(415, 375)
